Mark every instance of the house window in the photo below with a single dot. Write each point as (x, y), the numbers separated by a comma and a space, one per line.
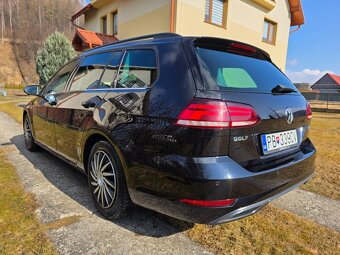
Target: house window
(115, 22)
(269, 31)
(215, 12)
(104, 25)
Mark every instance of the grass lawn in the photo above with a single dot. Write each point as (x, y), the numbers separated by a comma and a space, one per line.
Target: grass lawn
(325, 134)
(271, 231)
(20, 231)
(9, 106)
(14, 98)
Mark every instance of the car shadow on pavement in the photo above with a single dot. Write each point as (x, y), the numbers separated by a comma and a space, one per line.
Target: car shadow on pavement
(74, 184)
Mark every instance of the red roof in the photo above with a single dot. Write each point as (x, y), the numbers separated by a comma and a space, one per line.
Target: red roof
(89, 39)
(297, 15)
(336, 78)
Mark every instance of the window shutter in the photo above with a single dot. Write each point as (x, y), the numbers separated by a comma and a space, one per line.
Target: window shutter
(271, 33)
(207, 10)
(217, 12)
(265, 30)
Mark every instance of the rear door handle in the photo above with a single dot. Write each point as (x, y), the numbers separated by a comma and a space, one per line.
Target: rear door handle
(89, 104)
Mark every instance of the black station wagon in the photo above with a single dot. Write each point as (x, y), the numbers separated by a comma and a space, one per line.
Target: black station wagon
(202, 129)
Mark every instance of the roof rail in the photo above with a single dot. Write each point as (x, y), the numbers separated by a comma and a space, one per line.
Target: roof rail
(144, 37)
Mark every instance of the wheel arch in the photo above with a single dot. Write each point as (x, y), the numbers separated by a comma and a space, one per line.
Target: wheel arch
(24, 114)
(94, 136)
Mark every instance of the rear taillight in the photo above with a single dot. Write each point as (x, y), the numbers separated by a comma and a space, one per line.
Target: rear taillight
(309, 111)
(205, 113)
(209, 203)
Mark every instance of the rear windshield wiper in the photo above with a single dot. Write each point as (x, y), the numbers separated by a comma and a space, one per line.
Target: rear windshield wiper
(282, 89)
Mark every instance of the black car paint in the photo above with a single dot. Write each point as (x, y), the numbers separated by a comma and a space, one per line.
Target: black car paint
(164, 162)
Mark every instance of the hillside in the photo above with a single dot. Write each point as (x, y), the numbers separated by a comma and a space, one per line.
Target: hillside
(12, 72)
(9, 69)
(28, 23)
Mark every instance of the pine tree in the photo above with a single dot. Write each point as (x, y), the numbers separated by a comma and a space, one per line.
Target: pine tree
(56, 51)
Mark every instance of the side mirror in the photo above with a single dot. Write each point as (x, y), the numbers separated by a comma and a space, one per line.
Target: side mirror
(32, 90)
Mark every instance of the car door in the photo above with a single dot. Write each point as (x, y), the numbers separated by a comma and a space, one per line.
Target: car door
(75, 106)
(43, 108)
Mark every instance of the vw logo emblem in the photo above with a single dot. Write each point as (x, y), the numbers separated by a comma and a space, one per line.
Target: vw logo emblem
(289, 116)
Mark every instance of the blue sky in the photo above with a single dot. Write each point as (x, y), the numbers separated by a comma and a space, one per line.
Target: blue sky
(315, 48)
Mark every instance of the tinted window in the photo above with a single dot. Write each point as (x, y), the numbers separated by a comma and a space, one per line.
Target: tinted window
(111, 70)
(139, 69)
(59, 81)
(228, 71)
(90, 71)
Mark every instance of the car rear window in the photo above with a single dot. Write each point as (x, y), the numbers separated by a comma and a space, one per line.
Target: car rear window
(222, 70)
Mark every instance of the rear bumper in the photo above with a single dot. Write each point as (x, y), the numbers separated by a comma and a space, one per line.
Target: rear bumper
(254, 208)
(217, 178)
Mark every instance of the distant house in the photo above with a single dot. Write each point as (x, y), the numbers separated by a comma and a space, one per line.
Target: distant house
(262, 23)
(329, 83)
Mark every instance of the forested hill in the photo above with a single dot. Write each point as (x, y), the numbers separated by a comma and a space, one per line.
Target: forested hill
(25, 24)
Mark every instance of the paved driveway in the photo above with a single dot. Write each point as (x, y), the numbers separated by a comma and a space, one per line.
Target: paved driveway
(64, 198)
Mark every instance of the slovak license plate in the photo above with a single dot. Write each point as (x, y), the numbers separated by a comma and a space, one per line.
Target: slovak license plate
(278, 141)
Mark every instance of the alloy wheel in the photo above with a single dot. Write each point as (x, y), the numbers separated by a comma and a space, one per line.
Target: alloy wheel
(28, 132)
(103, 179)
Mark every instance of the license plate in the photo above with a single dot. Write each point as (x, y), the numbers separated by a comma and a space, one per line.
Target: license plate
(279, 141)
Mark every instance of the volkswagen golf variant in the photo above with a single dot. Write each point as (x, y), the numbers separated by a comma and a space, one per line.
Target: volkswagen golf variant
(202, 129)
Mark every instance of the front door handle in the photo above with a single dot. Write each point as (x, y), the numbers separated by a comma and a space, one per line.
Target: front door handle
(89, 104)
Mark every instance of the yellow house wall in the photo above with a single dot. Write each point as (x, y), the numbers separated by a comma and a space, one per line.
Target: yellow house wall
(135, 18)
(244, 23)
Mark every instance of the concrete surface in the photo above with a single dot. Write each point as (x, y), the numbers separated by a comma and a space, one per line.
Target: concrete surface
(62, 192)
(311, 206)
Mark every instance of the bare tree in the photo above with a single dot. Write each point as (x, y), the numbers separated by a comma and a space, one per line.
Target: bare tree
(10, 15)
(2, 21)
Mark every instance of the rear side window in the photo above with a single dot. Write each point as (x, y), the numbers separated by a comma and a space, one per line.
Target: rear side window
(228, 71)
(139, 69)
(111, 70)
(90, 71)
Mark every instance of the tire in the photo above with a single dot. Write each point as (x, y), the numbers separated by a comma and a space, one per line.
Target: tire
(28, 135)
(108, 186)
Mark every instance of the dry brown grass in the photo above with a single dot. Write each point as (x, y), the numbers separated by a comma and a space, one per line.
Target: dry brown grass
(325, 134)
(63, 222)
(9, 70)
(271, 231)
(20, 231)
(12, 110)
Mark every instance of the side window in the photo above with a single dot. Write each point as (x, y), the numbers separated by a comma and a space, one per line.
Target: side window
(111, 70)
(59, 81)
(90, 71)
(138, 70)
